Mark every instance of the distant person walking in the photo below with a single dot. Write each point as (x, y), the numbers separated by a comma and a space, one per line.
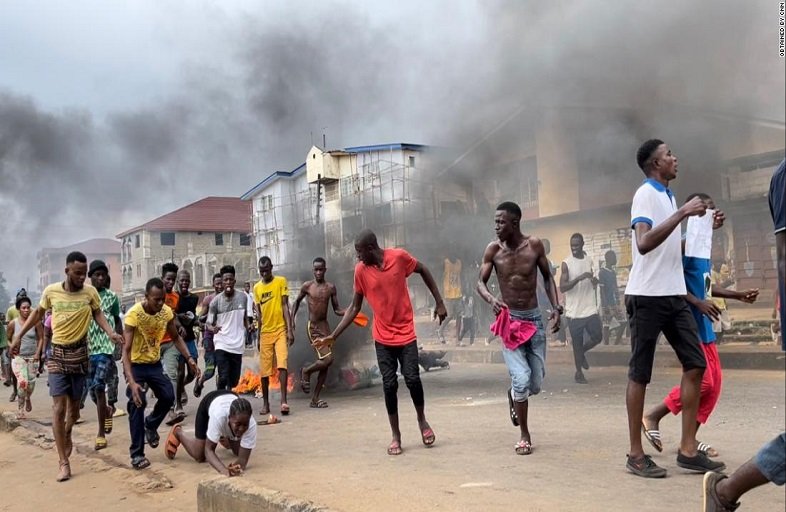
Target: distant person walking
(578, 283)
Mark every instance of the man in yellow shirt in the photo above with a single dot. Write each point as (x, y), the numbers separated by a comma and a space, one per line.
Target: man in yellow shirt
(146, 323)
(74, 305)
(451, 292)
(271, 296)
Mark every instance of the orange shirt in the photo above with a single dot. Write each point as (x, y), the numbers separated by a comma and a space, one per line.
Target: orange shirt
(387, 293)
(172, 300)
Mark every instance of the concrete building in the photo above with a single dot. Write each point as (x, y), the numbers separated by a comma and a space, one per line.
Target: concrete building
(200, 237)
(51, 261)
(317, 208)
(574, 170)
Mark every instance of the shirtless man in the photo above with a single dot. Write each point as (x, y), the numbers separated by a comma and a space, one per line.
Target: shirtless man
(319, 292)
(516, 258)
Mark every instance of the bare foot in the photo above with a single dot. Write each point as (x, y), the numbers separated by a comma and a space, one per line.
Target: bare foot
(265, 409)
(28, 405)
(65, 471)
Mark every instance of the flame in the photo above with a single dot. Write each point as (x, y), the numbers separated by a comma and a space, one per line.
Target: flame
(251, 382)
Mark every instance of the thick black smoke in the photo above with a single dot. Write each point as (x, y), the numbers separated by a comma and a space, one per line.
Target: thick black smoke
(446, 74)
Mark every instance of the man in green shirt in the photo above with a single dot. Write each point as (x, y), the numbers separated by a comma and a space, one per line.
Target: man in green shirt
(101, 350)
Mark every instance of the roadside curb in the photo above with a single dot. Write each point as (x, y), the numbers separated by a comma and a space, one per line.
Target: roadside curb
(239, 495)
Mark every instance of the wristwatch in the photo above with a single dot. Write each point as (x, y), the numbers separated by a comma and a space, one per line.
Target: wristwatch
(560, 309)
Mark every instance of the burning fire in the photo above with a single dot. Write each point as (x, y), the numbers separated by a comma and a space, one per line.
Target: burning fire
(251, 383)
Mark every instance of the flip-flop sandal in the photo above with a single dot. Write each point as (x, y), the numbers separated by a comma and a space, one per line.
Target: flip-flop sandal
(305, 384)
(272, 419)
(653, 436)
(707, 450)
(172, 443)
(176, 418)
(284, 409)
(523, 447)
(100, 443)
(109, 424)
(140, 462)
(319, 404)
(428, 437)
(513, 418)
(395, 448)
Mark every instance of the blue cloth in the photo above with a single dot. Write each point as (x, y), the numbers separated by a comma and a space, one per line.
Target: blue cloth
(697, 272)
(99, 372)
(527, 363)
(778, 211)
(771, 460)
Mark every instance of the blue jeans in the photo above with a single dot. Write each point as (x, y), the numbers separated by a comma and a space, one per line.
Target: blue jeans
(771, 460)
(151, 374)
(527, 363)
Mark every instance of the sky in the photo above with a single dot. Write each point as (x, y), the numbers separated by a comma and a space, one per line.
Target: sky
(112, 113)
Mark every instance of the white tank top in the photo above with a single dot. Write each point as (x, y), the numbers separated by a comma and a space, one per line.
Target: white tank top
(580, 301)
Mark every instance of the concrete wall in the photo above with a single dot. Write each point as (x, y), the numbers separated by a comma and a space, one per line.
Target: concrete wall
(223, 494)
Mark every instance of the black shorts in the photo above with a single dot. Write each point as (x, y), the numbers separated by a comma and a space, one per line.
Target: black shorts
(648, 317)
(202, 416)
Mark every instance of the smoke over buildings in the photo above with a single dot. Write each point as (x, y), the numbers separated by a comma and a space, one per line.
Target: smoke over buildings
(441, 74)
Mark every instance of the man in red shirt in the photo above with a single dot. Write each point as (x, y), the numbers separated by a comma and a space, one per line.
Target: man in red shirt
(381, 277)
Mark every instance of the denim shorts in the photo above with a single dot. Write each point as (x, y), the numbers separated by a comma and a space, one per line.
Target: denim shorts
(527, 362)
(771, 460)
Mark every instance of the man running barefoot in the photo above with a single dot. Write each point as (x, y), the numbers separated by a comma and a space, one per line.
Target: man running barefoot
(381, 276)
(145, 325)
(319, 293)
(222, 418)
(516, 258)
(74, 304)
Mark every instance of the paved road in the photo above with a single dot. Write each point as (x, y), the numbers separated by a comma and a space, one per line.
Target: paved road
(336, 456)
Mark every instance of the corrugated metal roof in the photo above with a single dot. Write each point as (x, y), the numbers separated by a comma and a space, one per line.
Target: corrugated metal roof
(211, 214)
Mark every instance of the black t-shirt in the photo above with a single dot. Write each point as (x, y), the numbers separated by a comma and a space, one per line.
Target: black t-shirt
(188, 303)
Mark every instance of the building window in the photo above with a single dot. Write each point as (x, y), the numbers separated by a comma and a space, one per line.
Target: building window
(331, 191)
(219, 238)
(167, 239)
(139, 270)
(245, 240)
(266, 203)
(412, 161)
(136, 241)
(271, 239)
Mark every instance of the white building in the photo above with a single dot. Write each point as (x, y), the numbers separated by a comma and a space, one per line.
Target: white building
(317, 208)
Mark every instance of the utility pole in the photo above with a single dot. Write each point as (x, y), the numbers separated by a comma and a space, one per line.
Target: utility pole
(319, 195)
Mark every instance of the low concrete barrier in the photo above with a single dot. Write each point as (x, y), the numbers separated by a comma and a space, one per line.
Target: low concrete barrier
(241, 495)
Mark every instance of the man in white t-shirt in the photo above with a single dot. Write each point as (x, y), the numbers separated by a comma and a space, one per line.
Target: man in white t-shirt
(655, 303)
(227, 319)
(578, 283)
(222, 418)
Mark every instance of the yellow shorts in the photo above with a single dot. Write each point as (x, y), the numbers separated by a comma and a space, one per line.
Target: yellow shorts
(273, 352)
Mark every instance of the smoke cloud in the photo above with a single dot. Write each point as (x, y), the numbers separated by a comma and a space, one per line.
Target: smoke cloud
(441, 74)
